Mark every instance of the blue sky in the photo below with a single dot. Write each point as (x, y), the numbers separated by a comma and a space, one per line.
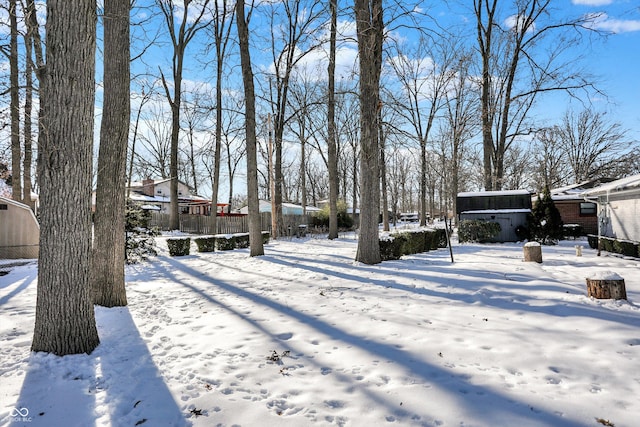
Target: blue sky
(614, 59)
(617, 59)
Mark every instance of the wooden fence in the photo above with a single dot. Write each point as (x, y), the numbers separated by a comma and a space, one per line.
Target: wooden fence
(200, 224)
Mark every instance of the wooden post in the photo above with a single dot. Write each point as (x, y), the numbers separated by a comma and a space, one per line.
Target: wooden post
(607, 285)
(532, 252)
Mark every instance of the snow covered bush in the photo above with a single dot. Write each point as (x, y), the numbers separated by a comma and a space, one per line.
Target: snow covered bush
(205, 243)
(242, 240)
(139, 240)
(394, 245)
(179, 246)
(391, 247)
(474, 230)
(225, 243)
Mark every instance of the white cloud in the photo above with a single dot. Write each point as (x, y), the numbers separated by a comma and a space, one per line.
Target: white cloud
(604, 22)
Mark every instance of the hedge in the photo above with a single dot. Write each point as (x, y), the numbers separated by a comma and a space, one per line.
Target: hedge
(411, 242)
(225, 243)
(608, 244)
(477, 230)
(179, 246)
(205, 243)
(242, 240)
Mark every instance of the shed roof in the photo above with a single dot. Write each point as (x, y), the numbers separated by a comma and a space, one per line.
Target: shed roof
(494, 193)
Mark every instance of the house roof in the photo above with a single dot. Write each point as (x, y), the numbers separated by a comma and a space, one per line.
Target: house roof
(629, 183)
(575, 191)
(494, 193)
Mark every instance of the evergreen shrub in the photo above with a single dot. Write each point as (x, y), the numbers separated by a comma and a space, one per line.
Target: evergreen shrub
(440, 238)
(321, 218)
(139, 238)
(225, 243)
(545, 222)
(179, 246)
(205, 243)
(392, 247)
(242, 240)
(478, 231)
(625, 247)
(606, 244)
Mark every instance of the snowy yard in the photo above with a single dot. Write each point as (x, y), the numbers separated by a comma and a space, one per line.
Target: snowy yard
(304, 336)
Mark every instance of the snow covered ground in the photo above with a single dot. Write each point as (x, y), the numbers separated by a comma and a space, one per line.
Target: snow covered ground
(305, 336)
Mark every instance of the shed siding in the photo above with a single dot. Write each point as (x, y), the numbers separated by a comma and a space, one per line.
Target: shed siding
(508, 221)
(625, 218)
(19, 231)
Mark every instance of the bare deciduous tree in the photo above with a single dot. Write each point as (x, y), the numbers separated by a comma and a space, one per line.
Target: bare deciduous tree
(189, 25)
(518, 68)
(65, 320)
(424, 74)
(109, 220)
(370, 28)
(255, 227)
(290, 43)
(591, 143)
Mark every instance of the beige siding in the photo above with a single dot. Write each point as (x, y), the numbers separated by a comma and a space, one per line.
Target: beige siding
(625, 218)
(19, 231)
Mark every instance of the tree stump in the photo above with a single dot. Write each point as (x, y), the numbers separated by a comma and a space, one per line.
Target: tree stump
(532, 252)
(606, 286)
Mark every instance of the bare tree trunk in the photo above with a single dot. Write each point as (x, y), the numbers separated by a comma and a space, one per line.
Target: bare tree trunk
(65, 320)
(35, 41)
(221, 37)
(485, 42)
(255, 225)
(383, 174)
(332, 151)
(109, 227)
(370, 28)
(190, 24)
(14, 95)
(28, 121)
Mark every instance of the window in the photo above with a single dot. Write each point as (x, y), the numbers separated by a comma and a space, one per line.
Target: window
(184, 209)
(588, 209)
(4, 207)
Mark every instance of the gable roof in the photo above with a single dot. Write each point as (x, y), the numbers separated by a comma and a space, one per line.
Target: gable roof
(629, 183)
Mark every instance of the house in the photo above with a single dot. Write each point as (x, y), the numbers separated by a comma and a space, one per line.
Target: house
(409, 217)
(509, 208)
(19, 230)
(576, 211)
(618, 208)
(287, 208)
(154, 195)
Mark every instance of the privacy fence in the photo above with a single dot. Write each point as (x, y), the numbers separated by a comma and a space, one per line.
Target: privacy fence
(200, 224)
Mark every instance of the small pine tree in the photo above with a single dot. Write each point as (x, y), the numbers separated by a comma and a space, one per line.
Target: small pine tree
(345, 221)
(140, 243)
(545, 222)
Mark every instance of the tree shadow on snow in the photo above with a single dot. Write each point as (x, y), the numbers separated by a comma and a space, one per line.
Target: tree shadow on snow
(119, 381)
(473, 281)
(479, 402)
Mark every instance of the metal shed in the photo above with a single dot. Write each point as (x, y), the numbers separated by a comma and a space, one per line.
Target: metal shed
(510, 209)
(19, 231)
